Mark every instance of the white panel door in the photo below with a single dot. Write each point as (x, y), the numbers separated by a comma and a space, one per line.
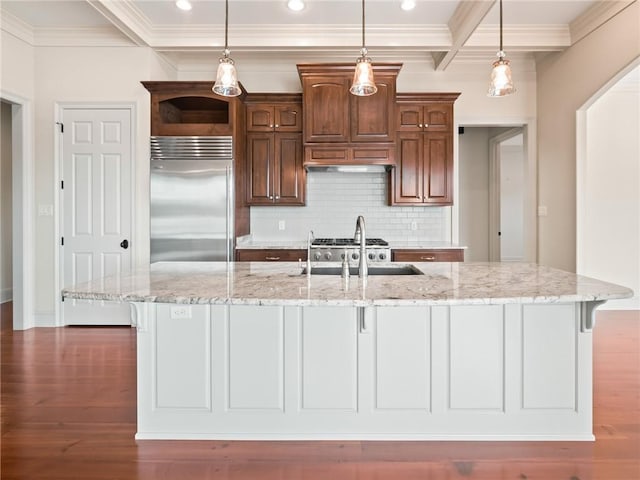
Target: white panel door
(96, 207)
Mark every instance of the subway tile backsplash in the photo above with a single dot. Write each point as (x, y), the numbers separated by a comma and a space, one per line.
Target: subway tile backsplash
(334, 201)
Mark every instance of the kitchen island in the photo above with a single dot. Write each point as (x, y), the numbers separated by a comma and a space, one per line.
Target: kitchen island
(463, 351)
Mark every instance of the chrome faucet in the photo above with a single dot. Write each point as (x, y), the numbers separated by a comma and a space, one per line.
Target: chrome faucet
(360, 237)
(309, 240)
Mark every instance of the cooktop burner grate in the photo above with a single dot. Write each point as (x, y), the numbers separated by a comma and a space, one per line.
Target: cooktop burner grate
(346, 242)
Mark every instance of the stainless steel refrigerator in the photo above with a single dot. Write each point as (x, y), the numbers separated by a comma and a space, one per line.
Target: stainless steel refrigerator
(191, 199)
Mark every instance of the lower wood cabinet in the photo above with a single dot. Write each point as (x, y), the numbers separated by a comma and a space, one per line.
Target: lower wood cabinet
(271, 255)
(432, 255)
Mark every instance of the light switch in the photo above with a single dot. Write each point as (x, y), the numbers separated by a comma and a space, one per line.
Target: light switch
(542, 211)
(281, 225)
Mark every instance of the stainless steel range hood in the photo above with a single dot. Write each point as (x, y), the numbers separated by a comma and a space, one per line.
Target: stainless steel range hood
(349, 168)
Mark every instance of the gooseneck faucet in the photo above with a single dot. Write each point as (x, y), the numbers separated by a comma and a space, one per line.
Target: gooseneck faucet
(360, 237)
(309, 240)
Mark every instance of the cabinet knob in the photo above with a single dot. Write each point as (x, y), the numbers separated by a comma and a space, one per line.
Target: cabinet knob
(271, 126)
(270, 197)
(277, 197)
(429, 258)
(272, 258)
(420, 125)
(426, 125)
(277, 125)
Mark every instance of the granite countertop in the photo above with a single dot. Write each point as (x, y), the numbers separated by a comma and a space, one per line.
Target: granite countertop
(302, 245)
(268, 283)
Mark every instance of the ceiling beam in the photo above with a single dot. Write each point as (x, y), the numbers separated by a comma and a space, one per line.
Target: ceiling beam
(462, 24)
(126, 18)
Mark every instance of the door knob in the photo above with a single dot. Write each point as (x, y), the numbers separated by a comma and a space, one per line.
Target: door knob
(124, 243)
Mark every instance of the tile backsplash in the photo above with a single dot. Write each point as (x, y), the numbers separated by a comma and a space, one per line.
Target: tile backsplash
(334, 201)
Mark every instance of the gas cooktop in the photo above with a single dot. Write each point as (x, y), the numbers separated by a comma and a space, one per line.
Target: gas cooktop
(347, 242)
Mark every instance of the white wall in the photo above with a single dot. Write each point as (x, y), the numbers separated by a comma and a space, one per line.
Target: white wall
(6, 232)
(565, 82)
(474, 192)
(610, 231)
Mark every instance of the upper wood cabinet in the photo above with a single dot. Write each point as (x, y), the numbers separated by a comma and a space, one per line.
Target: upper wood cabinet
(424, 150)
(274, 173)
(265, 116)
(436, 117)
(191, 108)
(333, 115)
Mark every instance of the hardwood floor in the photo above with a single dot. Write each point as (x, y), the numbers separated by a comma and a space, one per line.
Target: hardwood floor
(68, 412)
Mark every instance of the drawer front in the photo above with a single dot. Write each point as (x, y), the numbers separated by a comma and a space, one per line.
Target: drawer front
(438, 255)
(273, 255)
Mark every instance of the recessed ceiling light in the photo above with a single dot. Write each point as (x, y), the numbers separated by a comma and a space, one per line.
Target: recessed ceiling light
(183, 4)
(295, 5)
(408, 4)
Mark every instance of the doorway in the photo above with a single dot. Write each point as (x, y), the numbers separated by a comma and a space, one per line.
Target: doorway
(496, 193)
(22, 180)
(6, 204)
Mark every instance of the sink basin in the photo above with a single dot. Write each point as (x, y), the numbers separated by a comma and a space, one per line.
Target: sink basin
(373, 270)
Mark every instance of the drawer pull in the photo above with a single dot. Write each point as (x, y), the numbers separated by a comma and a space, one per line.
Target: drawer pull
(429, 258)
(272, 258)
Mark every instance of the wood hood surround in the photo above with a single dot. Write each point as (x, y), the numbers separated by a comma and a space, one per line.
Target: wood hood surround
(341, 129)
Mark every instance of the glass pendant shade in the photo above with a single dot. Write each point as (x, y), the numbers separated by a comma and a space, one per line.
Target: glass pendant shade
(227, 78)
(363, 83)
(501, 81)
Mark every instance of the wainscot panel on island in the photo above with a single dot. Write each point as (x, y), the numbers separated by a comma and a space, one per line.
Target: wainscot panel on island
(460, 351)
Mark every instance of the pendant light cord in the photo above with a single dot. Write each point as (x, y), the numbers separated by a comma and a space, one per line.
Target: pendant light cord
(226, 25)
(500, 25)
(363, 25)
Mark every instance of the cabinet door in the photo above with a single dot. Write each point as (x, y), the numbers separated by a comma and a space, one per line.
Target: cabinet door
(409, 118)
(270, 255)
(438, 117)
(288, 118)
(260, 118)
(326, 109)
(260, 150)
(372, 117)
(425, 255)
(289, 173)
(408, 174)
(438, 169)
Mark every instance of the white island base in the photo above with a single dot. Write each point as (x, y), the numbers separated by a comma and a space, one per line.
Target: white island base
(460, 372)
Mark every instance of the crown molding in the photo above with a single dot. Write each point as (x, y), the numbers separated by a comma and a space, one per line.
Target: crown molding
(81, 37)
(522, 37)
(16, 27)
(594, 17)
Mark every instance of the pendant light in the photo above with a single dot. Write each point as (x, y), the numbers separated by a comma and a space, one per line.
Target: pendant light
(363, 83)
(501, 81)
(226, 77)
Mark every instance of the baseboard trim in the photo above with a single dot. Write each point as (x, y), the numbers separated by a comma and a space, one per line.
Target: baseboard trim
(6, 295)
(44, 320)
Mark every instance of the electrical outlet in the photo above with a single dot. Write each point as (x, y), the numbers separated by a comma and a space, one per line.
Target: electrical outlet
(281, 225)
(179, 312)
(45, 210)
(414, 226)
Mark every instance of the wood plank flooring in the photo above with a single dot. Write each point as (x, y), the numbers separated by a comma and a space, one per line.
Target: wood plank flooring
(68, 412)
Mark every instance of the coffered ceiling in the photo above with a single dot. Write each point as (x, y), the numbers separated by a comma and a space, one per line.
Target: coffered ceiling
(442, 31)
